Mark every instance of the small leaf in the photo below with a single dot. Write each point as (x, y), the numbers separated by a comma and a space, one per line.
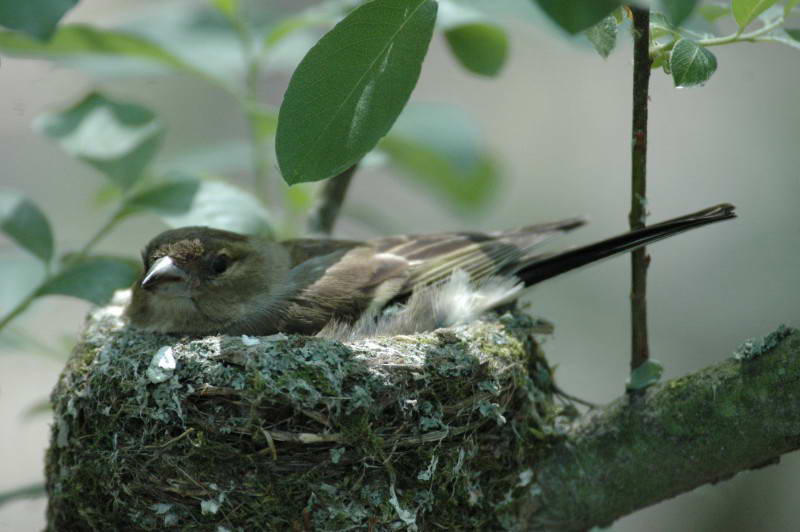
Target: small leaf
(229, 8)
(603, 36)
(438, 146)
(93, 279)
(480, 47)
(660, 26)
(37, 18)
(26, 224)
(42, 406)
(78, 40)
(678, 10)
(647, 374)
(746, 11)
(578, 15)
(351, 86)
(118, 139)
(713, 12)
(31, 491)
(167, 199)
(223, 206)
(691, 64)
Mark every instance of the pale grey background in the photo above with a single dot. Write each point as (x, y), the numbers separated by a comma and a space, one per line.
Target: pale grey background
(558, 119)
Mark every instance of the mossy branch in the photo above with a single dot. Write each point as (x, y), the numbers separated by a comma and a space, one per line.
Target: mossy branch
(740, 414)
(460, 429)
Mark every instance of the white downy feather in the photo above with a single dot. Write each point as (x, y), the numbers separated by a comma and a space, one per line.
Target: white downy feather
(454, 302)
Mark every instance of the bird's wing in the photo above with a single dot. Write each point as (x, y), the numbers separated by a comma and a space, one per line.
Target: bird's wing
(432, 258)
(342, 285)
(302, 249)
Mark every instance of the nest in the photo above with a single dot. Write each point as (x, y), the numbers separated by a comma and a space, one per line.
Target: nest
(431, 431)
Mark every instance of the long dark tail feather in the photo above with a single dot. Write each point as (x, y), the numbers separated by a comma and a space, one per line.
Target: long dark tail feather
(553, 265)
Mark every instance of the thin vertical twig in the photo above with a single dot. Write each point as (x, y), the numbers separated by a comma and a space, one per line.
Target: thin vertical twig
(322, 219)
(640, 260)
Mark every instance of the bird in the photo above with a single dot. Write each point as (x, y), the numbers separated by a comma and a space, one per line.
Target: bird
(201, 281)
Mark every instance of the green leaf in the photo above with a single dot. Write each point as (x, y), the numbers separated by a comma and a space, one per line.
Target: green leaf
(78, 40)
(603, 36)
(647, 374)
(221, 206)
(480, 47)
(42, 406)
(118, 139)
(578, 15)
(746, 11)
(351, 86)
(37, 18)
(229, 8)
(793, 33)
(26, 224)
(93, 279)
(714, 12)
(170, 198)
(678, 10)
(438, 147)
(691, 64)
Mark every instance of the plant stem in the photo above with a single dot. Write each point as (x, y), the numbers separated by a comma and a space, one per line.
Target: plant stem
(260, 158)
(640, 350)
(728, 39)
(251, 53)
(323, 217)
(76, 257)
(22, 306)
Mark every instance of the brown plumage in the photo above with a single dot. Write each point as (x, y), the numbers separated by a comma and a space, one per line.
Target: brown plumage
(200, 281)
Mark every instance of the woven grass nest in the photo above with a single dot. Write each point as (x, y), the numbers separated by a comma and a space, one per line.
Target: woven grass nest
(434, 431)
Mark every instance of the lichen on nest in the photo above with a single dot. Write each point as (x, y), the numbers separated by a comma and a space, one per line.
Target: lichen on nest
(431, 431)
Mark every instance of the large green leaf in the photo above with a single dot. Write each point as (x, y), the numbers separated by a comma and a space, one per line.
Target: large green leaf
(26, 224)
(93, 279)
(119, 139)
(746, 11)
(578, 15)
(78, 40)
(691, 64)
(481, 47)
(440, 148)
(221, 206)
(37, 18)
(678, 10)
(351, 86)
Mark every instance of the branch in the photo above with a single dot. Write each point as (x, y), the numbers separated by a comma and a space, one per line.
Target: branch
(640, 350)
(323, 217)
(695, 430)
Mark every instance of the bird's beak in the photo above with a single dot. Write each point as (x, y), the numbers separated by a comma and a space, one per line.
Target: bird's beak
(163, 270)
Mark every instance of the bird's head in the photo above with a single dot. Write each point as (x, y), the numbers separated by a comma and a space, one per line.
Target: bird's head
(198, 279)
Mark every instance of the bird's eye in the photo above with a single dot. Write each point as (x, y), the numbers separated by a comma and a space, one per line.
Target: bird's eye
(220, 263)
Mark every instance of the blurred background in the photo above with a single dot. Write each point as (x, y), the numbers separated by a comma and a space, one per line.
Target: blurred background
(556, 122)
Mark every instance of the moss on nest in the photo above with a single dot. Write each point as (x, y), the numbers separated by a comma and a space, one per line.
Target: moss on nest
(432, 431)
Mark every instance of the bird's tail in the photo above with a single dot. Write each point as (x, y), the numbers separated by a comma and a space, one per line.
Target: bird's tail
(544, 267)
